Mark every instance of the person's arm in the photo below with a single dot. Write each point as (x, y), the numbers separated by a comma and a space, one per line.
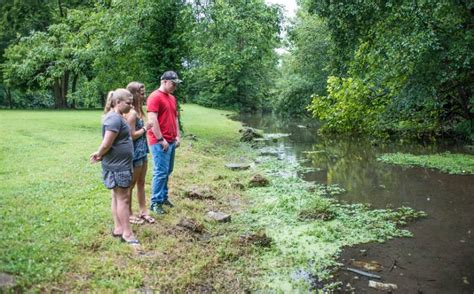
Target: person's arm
(132, 120)
(109, 138)
(178, 135)
(153, 119)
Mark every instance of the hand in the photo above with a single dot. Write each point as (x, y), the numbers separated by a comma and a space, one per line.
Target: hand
(177, 142)
(94, 157)
(165, 145)
(148, 126)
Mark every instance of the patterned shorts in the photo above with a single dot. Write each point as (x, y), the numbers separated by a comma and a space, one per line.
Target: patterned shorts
(122, 179)
(140, 162)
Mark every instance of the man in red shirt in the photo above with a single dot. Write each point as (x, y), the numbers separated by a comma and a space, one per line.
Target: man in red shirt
(163, 138)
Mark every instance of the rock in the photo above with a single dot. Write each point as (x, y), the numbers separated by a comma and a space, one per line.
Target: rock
(219, 216)
(276, 136)
(191, 225)
(6, 282)
(238, 185)
(237, 166)
(382, 286)
(370, 266)
(258, 181)
(259, 239)
(191, 137)
(269, 151)
(248, 134)
(199, 193)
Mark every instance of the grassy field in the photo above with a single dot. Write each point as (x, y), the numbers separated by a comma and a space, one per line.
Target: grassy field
(56, 220)
(55, 212)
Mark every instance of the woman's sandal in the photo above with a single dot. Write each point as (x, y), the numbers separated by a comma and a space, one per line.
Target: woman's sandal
(136, 220)
(147, 218)
(115, 235)
(132, 241)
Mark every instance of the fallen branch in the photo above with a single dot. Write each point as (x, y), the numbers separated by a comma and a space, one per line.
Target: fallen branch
(369, 275)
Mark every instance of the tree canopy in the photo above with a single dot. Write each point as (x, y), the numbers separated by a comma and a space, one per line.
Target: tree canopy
(379, 68)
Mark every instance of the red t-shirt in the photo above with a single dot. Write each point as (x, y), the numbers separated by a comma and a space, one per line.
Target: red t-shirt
(165, 106)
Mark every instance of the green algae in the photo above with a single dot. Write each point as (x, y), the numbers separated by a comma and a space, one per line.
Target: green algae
(461, 164)
(310, 244)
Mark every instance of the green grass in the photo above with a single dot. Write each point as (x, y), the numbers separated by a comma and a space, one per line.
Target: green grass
(55, 214)
(461, 164)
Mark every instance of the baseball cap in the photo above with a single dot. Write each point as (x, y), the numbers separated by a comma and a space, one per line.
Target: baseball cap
(171, 76)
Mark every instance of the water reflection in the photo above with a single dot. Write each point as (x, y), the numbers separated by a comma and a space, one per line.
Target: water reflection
(352, 164)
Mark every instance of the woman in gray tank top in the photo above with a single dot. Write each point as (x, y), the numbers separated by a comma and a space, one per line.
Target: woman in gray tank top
(116, 154)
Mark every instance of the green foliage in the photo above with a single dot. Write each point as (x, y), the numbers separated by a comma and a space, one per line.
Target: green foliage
(446, 162)
(90, 51)
(233, 46)
(304, 69)
(417, 53)
(351, 106)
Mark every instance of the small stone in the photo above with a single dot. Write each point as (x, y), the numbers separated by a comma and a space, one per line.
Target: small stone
(219, 216)
(238, 185)
(6, 281)
(259, 181)
(237, 166)
(191, 225)
(199, 193)
(382, 286)
(248, 134)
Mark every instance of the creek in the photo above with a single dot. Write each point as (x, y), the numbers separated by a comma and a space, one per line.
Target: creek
(440, 256)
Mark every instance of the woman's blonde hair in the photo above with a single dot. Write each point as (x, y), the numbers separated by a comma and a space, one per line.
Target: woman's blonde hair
(114, 96)
(134, 88)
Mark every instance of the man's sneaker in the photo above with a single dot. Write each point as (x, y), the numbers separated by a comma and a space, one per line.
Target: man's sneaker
(157, 208)
(167, 202)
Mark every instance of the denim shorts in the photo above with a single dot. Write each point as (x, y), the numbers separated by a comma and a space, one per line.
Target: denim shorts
(140, 162)
(121, 179)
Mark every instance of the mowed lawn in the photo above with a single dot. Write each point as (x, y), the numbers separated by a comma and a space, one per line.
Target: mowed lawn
(55, 215)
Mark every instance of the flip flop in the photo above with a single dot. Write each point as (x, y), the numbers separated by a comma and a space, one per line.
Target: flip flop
(147, 218)
(115, 235)
(133, 241)
(137, 220)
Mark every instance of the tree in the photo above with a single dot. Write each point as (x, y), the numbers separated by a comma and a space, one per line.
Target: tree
(416, 54)
(22, 18)
(233, 53)
(304, 70)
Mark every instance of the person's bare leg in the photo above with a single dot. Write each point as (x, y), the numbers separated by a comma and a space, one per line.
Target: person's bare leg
(141, 189)
(123, 214)
(118, 230)
(134, 181)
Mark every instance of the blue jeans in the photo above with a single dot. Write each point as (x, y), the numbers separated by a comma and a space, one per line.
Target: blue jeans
(163, 162)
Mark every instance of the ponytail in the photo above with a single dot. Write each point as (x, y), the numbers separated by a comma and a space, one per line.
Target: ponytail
(110, 103)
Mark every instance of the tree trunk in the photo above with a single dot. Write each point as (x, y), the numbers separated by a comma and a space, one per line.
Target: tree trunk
(8, 94)
(102, 99)
(60, 91)
(73, 90)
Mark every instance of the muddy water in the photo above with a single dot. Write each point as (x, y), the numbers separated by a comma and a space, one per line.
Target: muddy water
(440, 256)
